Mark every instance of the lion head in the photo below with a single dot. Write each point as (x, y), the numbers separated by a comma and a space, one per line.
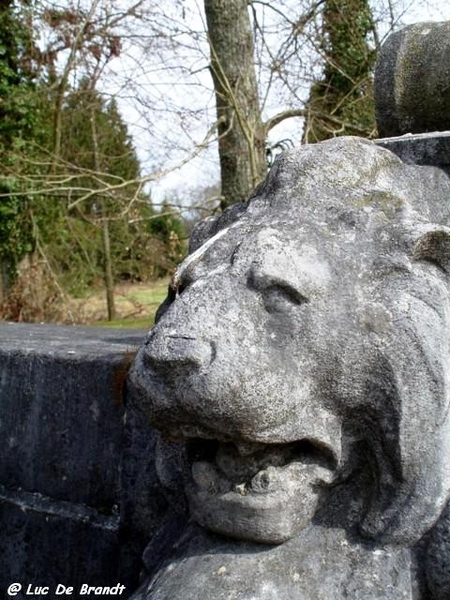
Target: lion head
(302, 358)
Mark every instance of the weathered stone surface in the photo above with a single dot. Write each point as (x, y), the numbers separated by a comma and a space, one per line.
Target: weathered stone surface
(431, 149)
(437, 558)
(142, 504)
(412, 92)
(319, 564)
(47, 543)
(62, 410)
(79, 498)
(302, 362)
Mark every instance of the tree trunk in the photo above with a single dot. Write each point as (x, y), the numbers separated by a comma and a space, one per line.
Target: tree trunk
(241, 132)
(107, 260)
(109, 279)
(3, 280)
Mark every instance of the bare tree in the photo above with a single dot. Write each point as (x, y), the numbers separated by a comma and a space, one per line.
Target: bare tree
(242, 131)
(312, 57)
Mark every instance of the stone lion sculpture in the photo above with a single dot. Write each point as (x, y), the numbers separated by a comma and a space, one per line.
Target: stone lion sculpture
(299, 373)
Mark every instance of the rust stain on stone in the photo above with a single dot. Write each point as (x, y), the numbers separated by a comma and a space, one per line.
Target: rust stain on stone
(120, 373)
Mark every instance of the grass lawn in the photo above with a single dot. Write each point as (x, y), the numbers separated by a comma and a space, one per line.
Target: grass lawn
(136, 305)
(126, 323)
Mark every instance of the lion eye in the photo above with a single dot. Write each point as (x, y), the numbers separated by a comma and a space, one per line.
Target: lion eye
(170, 298)
(176, 288)
(277, 294)
(281, 297)
(173, 292)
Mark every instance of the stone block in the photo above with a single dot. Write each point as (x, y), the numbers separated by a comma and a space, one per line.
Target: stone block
(431, 149)
(79, 497)
(412, 92)
(62, 410)
(46, 543)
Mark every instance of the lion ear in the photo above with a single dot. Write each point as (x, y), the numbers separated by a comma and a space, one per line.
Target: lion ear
(434, 246)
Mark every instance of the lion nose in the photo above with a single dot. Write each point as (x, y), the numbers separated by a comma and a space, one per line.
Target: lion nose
(167, 350)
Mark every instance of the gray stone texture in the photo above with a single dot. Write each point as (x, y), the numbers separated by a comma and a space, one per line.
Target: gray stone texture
(412, 91)
(319, 564)
(78, 497)
(51, 545)
(431, 149)
(299, 376)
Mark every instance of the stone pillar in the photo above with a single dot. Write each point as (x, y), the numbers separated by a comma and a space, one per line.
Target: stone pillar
(412, 81)
(412, 94)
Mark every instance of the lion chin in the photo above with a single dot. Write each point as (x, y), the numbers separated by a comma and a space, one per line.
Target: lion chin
(299, 369)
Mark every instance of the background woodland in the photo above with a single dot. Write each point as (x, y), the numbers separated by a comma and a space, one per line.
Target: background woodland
(122, 122)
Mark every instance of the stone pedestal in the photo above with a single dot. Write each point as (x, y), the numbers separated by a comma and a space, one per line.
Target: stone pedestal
(78, 494)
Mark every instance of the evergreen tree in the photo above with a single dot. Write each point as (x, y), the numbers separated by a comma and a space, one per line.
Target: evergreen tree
(17, 113)
(106, 149)
(99, 157)
(18, 120)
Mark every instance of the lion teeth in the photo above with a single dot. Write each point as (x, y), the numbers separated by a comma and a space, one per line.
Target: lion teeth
(264, 481)
(241, 489)
(311, 472)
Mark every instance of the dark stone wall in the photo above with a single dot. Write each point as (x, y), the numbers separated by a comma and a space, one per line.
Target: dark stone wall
(79, 498)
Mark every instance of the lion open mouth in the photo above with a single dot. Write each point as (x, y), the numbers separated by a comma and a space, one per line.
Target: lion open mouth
(257, 468)
(255, 491)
